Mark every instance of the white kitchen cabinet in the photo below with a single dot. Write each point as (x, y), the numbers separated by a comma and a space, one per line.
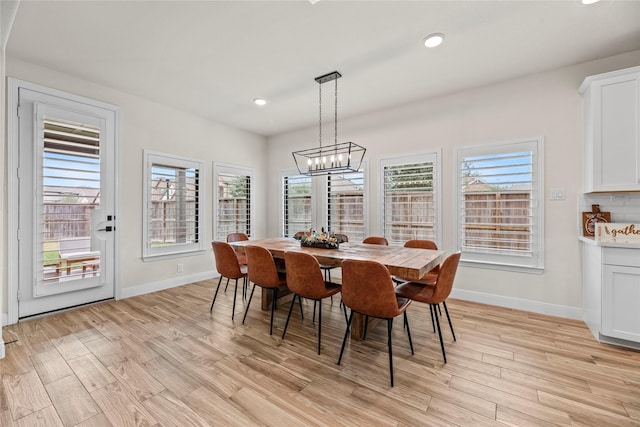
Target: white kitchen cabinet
(611, 293)
(611, 114)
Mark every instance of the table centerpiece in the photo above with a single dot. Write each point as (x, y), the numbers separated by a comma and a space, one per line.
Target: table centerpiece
(322, 240)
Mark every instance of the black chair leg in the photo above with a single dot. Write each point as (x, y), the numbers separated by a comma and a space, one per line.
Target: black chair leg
(344, 309)
(226, 286)
(406, 324)
(444, 356)
(235, 295)
(293, 302)
(346, 334)
(433, 321)
(313, 320)
(366, 326)
(300, 304)
(246, 310)
(319, 324)
(449, 319)
(216, 294)
(273, 308)
(389, 328)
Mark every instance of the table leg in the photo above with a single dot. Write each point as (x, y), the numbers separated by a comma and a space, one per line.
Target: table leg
(267, 296)
(357, 325)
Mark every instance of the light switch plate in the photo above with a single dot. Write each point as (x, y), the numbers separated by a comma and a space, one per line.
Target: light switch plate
(557, 194)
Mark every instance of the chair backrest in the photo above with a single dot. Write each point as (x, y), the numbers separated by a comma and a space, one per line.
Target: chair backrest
(447, 274)
(226, 260)
(304, 276)
(237, 237)
(262, 267)
(376, 240)
(367, 288)
(424, 244)
(341, 236)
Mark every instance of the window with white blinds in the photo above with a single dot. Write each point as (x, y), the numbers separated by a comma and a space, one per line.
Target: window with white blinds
(410, 198)
(234, 200)
(345, 204)
(173, 201)
(70, 179)
(500, 203)
(297, 205)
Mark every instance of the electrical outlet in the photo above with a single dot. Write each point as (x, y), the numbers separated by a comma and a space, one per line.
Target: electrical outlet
(180, 268)
(557, 194)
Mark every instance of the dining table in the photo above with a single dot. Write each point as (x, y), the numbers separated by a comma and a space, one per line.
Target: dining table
(408, 263)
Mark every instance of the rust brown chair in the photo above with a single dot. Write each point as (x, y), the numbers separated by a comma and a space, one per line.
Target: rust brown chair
(263, 273)
(436, 293)
(326, 268)
(367, 289)
(228, 266)
(376, 240)
(304, 279)
(238, 237)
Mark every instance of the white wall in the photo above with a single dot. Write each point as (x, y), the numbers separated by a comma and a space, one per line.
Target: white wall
(150, 125)
(546, 104)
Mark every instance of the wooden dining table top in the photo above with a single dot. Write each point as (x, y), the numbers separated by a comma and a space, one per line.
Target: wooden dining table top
(409, 263)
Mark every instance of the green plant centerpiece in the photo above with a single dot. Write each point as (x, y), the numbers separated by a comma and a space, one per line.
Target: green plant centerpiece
(313, 239)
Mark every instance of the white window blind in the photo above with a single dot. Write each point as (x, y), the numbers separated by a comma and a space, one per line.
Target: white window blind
(499, 216)
(345, 204)
(70, 179)
(233, 202)
(296, 204)
(410, 198)
(172, 205)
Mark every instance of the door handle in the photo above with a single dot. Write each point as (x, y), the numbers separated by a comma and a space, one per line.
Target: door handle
(107, 228)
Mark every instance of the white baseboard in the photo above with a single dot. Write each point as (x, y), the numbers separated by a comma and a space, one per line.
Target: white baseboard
(519, 304)
(147, 288)
(5, 318)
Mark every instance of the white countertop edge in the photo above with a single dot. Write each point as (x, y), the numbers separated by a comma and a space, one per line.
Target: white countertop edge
(592, 241)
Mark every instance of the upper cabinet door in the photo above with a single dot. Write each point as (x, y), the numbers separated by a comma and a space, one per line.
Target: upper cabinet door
(611, 104)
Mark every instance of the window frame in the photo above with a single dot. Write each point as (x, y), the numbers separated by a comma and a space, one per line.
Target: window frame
(408, 159)
(535, 263)
(152, 158)
(289, 173)
(224, 168)
(324, 201)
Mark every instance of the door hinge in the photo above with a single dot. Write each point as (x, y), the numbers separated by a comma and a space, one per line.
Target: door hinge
(19, 294)
(18, 234)
(19, 111)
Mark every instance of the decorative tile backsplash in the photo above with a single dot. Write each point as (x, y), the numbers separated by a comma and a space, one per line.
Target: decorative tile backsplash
(624, 207)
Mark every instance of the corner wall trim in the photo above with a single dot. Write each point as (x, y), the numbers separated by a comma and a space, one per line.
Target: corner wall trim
(519, 304)
(146, 288)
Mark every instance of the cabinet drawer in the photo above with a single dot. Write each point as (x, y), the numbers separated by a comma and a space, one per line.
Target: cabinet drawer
(621, 256)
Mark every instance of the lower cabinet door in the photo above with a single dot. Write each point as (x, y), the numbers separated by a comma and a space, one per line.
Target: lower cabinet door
(621, 302)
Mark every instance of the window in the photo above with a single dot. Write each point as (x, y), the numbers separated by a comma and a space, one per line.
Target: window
(233, 201)
(500, 203)
(345, 204)
(173, 196)
(297, 209)
(410, 193)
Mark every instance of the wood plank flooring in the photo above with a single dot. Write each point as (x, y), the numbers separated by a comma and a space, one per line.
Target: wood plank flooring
(163, 359)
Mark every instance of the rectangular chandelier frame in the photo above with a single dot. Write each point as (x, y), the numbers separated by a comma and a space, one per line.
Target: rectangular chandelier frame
(340, 157)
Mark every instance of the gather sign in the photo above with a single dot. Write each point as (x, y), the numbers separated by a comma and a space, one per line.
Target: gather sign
(617, 232)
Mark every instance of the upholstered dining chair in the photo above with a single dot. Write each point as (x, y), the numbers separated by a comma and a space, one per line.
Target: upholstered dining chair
(304, 279)
(228, 266)
(242, 257)
(262, 272)
(376, 240)
(435, 294)
(367, 289)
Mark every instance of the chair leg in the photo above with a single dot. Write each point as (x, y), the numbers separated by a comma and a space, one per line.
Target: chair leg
(235, 295)
(319, 324)
(406, 324)
(344, 309)
(346, 334)
(293, 302)
(449, 319)
(433, 321)
(366, 326)
(226, 286)
(444, 356)
(216, 294)
(300, 304)
(313, 320)
(273, 308)
(246, 310)
(389, 328)
(245, 285)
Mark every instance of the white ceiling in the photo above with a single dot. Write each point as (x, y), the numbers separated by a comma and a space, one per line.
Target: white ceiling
(212, 58)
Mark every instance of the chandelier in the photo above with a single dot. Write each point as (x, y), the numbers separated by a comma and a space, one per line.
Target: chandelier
(339, 157)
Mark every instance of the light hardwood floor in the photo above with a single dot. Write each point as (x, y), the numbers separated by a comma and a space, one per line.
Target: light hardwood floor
(163, 359)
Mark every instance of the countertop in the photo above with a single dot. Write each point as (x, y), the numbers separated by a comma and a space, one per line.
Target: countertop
(592, 241)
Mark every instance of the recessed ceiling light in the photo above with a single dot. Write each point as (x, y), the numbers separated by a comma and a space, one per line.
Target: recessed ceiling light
(589, 1)
(433, 40)
(260, 101)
